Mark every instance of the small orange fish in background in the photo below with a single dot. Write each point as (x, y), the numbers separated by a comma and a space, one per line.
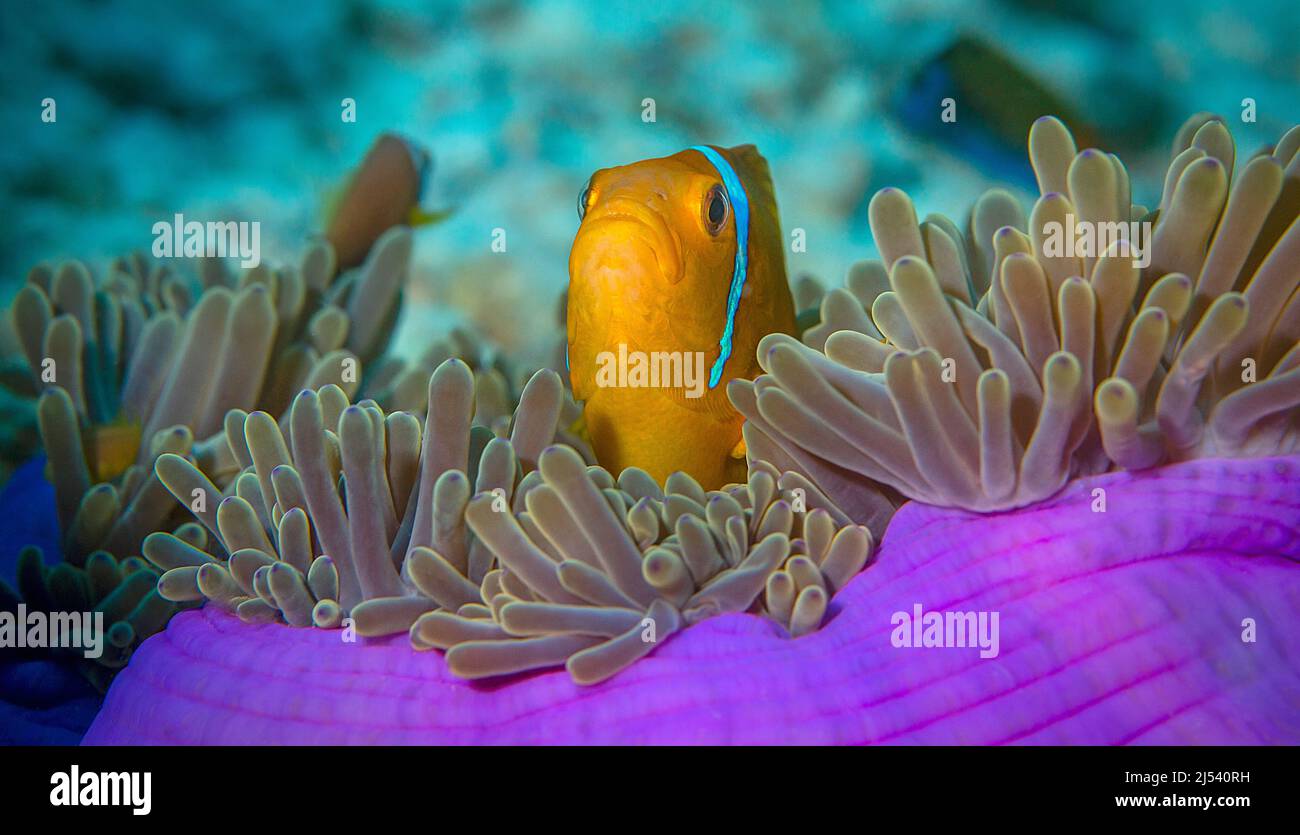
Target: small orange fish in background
(111, 448)
(383, 192)
(676, 273)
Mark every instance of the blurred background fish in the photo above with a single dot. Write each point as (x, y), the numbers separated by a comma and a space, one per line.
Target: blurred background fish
(384, 191)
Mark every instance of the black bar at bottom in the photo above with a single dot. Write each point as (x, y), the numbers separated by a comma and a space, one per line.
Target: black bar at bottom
(326, 785)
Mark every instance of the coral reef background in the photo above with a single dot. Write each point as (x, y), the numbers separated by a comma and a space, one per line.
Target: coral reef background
(232, 110)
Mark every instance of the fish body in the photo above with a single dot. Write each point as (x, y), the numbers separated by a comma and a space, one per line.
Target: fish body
(996, 99)
(384, 191)
(678, 264)
(111, 448)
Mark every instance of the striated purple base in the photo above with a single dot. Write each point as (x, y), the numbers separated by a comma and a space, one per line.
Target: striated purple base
(1116, 627)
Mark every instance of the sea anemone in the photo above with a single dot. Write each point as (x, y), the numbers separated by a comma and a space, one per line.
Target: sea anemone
(1116, 628)
(145, 364)
(367, 519)
(595, 573)
(962, 396)
(960, 371)
(362, 485)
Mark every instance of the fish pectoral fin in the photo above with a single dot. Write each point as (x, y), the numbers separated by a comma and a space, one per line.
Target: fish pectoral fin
(739, 450)
(418, 216)
(579, 428)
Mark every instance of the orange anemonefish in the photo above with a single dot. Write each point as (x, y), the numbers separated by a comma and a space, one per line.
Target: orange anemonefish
(383, 192)
(676, 273)
(111, 448)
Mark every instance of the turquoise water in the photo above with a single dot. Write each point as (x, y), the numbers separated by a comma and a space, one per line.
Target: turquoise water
(233, 110)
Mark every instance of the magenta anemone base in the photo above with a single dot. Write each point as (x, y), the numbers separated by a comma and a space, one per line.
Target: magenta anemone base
(1128, 626)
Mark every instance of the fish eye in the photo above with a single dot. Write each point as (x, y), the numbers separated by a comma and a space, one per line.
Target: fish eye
(583, 197)
(715, 209)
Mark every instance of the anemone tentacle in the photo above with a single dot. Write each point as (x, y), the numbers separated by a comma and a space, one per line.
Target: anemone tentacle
(984, 373)
(147, 363)
(507, 551)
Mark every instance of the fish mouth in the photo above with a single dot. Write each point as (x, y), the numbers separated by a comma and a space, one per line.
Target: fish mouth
(629, 237)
